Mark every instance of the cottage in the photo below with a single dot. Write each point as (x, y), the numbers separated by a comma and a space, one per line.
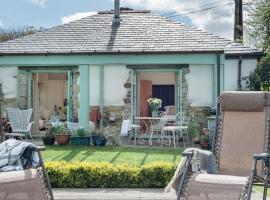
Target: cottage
(117, 60)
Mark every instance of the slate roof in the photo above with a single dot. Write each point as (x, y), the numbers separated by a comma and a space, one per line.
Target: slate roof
(138, 32)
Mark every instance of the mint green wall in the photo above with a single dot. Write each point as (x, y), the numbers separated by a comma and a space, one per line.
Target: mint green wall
(85, 61)
(84, 96)
(108, 59)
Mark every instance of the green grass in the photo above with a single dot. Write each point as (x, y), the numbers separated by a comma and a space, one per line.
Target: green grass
(129, 155)
(259, 189)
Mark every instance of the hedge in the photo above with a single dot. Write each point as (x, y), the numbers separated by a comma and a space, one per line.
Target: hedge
(106, 175)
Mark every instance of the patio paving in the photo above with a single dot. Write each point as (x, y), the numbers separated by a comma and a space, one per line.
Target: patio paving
(116, 194)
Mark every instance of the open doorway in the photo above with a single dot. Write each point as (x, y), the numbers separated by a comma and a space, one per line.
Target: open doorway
(159, 85)
(50, 93)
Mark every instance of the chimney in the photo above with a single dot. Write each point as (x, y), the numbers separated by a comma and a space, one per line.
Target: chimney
(117, 11)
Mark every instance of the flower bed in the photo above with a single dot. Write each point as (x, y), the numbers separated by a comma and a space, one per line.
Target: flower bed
(107, 175)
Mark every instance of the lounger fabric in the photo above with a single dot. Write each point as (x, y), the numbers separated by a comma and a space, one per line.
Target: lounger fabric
(21, 185)
(216, 187)
(244, 101)
(243, 135)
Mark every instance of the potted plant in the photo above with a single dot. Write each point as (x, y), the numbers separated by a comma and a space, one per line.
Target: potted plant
(62, 135)
(80, 137)
(98, 138)
(49, 138)
(112, 135)
(194, 130)
(154, 104)
(204, 139)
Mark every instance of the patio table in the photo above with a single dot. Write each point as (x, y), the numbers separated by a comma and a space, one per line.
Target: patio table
(154, 124)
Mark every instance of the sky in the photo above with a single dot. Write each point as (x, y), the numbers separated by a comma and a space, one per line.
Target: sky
(49, 13)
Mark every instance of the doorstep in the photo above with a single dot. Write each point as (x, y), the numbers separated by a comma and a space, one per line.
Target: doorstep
(118, 194)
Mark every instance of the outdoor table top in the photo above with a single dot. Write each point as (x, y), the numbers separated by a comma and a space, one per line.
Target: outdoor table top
(169, 117)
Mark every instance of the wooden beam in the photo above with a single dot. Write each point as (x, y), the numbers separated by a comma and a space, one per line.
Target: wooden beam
(101, 93)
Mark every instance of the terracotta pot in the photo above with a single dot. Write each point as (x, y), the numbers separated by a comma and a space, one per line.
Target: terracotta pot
(62, 139)
(205, 145)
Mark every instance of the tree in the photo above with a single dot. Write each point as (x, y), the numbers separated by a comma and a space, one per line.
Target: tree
(258, 24)
(258, 29)
(12, 33)
(260, 78)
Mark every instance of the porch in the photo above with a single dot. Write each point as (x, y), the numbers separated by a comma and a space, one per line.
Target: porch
(99, 83)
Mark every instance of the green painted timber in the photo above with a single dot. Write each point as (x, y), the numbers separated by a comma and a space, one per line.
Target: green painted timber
(214, 79)
(222, 78)
(51, 71)
(179, 86)
(18, 88)
(222, 65)
(69, 97)
(84, 96)
(101, 93)
(133, 94)
(75, 60)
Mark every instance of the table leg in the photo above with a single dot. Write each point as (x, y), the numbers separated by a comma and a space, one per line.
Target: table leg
(162, 138)
(174, 138)
(135, 136)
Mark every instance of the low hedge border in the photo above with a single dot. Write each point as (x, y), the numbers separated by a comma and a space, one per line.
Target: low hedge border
(106, 175)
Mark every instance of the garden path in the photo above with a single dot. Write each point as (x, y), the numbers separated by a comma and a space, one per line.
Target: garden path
(118, 194)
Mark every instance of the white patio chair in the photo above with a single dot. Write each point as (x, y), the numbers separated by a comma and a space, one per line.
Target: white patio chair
(20, 122)
(177, 130)
(156, 127)
(133, 128)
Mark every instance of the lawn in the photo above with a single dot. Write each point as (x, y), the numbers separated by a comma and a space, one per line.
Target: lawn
(259, 189)
(129, 155)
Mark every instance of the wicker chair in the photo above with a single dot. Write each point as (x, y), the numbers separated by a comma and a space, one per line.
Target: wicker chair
(20, 122)
(242, 132)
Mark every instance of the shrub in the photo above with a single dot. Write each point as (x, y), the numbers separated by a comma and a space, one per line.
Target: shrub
(106, 175)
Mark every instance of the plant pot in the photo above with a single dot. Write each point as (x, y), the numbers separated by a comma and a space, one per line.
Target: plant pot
(48, 141)
(62, 139)
(79, 141)
(99, 140)
(205, 145)
(196, 140)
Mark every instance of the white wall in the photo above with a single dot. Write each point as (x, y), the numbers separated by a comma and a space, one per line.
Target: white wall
(9, 81)
(115, 76)
(231, 72)
(200, 85)
(94, 85)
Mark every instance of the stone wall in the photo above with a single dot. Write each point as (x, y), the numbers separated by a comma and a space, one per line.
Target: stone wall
(75, 94)
(22, 98)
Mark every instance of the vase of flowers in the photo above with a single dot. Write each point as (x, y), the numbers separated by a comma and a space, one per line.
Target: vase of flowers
(154, 104)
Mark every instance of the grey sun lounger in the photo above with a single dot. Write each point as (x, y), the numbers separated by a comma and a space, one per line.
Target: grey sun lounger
(238, 159)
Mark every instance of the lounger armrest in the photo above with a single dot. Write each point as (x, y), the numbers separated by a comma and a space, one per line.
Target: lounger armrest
(188, 154)
(40, 148)
(264, 157)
